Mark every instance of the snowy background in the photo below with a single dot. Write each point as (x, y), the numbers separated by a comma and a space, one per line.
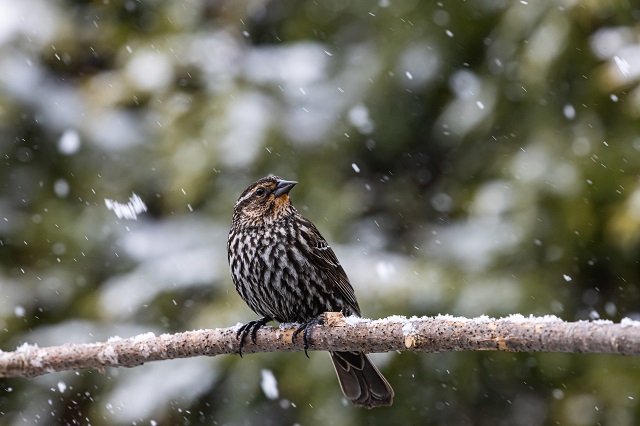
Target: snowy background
(464, 158)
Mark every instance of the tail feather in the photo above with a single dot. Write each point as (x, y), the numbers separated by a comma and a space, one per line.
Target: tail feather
(360, 380)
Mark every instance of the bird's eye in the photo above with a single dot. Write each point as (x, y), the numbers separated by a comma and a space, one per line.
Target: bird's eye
(260, 192)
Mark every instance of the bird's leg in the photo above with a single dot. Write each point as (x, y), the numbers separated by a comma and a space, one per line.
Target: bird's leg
(250, 327)
(306, 328)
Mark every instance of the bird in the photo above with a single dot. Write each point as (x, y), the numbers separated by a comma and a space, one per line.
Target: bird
(286, 271)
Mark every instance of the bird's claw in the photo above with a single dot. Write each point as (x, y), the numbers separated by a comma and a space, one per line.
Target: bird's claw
(306, 328)
(250, 328)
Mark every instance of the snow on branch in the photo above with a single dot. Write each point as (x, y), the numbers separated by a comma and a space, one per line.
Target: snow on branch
(515, 333)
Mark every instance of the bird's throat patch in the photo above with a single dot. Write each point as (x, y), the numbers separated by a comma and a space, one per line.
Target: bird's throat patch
(281, 201)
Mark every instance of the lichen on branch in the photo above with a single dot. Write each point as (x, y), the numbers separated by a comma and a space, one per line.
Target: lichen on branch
(442, 333)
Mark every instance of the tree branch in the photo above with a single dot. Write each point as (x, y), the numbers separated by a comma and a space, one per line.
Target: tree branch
(426, 334)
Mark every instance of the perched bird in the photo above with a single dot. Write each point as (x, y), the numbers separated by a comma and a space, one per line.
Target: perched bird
(285, 271)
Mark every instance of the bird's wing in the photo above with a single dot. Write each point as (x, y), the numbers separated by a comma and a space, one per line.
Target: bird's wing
(328, 263)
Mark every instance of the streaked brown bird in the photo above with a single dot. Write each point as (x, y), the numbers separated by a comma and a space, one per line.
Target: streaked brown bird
(285, 271)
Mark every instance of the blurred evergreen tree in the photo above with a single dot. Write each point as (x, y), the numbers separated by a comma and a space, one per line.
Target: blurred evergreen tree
(463, 157)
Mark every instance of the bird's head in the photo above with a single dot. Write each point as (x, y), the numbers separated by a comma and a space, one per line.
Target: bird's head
(264, 201)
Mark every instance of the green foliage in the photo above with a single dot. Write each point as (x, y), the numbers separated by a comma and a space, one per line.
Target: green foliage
(465, 157)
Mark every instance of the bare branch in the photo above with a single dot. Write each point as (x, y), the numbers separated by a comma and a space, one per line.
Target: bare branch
(426, 334)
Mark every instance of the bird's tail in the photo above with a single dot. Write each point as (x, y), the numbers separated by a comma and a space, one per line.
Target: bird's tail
(360, 380)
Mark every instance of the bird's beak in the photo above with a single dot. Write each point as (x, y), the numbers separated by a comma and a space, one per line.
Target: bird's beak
(283, 187)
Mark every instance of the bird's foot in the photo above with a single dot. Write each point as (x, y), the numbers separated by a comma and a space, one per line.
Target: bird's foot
(251, 328)
(306, 328)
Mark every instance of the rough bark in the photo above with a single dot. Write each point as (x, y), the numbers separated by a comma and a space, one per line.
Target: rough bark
(425, 334)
